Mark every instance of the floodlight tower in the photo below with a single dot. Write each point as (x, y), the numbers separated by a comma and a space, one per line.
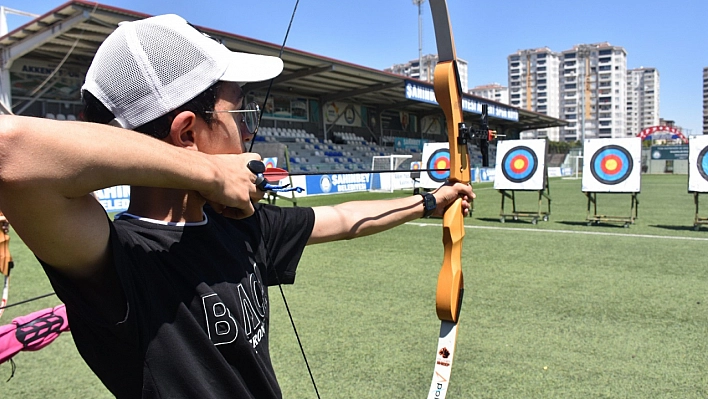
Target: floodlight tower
(419, 3)
(584, 53)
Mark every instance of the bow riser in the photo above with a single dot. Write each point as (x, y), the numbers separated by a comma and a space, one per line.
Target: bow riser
(450, 281)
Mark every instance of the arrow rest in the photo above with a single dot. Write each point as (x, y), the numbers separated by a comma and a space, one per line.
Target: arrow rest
(481, 136)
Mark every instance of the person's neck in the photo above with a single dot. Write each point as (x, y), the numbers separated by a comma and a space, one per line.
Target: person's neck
(167, 205)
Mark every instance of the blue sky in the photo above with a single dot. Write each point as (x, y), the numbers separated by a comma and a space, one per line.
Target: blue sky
(668, 35)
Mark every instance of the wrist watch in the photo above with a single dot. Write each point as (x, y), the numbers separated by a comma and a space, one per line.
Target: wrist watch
(429, 204)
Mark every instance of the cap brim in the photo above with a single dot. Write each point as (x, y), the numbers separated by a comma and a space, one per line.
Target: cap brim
(245, 67)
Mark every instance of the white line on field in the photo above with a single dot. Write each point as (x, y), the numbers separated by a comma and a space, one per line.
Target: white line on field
(595, 233)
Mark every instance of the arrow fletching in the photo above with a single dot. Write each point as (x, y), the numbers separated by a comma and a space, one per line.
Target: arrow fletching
(275, 174)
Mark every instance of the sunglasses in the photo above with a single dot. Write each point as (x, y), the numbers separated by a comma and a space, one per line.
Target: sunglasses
(248, 116)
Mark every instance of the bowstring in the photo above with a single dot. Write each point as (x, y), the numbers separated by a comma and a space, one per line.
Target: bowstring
(297, 336)
(253, 141)
(270, 85)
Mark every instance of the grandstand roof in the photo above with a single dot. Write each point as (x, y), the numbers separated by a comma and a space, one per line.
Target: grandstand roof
(77, 28)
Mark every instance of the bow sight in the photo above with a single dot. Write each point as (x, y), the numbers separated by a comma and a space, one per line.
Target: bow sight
(481, 136)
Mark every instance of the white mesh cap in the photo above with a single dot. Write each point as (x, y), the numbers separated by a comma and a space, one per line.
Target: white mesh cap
(147, 68)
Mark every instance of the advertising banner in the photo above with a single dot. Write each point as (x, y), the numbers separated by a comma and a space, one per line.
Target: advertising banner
(114, 199)
(342, 114)
(337, 183)
(404, 143)
(669, 152)
(425, 93)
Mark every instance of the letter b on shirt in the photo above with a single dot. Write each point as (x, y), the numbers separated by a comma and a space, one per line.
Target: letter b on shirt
(221, 325)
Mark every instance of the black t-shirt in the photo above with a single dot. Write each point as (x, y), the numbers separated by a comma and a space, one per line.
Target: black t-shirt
(197, 323)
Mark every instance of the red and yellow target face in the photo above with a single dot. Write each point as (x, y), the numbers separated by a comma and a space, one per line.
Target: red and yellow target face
(519, 164)
(611, 164)
(440, 159)
(442, 163)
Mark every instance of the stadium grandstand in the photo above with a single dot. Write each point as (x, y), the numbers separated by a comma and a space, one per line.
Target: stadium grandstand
(322, 114)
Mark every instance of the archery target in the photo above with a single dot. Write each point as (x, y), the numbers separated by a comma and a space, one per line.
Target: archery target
(415, 167)
(435, 156)
(270, 162)
(440, 159)
(698, 164)
(702, 163)
(520, 165)
(612, 165)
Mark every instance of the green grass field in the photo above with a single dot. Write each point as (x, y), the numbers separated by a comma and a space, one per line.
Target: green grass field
(554, 310)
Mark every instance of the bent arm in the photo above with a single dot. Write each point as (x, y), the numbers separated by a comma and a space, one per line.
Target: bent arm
(49, 168)
(361, 218)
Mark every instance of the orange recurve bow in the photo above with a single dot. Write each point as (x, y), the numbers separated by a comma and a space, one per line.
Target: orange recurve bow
(448, 299)
(5, 262)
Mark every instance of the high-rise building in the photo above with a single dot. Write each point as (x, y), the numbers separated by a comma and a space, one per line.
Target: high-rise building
(705, 100)
(642, 99)
(425, 73)
(534, 86)
(494, 91)
(593, 92)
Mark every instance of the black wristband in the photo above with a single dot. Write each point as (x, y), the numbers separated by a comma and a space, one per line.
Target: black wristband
(429, 204)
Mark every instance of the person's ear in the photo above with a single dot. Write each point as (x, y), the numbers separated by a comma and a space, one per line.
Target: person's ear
(182, 130)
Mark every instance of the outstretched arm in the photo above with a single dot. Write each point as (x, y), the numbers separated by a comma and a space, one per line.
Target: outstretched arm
(361, 218)
(48, 170)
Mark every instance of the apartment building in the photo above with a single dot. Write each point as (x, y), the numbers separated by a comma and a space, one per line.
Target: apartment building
(594, 92)
(424, 69)
(493, 91)
(705, 100)
(534, 85)
(642, 99)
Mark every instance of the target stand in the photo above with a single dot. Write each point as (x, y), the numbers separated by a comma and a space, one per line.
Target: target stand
(594, 218)
(521, 166)
(544, 193)
(698, 220)
(612, 166)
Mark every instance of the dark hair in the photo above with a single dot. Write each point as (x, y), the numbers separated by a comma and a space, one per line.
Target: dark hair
(95, 111)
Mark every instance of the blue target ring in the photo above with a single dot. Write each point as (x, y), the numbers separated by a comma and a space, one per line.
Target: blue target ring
(702, 163)
(519, 164)
(440, 159)
(611, 164)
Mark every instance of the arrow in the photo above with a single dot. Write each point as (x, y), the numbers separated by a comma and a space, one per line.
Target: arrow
(278, 173)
